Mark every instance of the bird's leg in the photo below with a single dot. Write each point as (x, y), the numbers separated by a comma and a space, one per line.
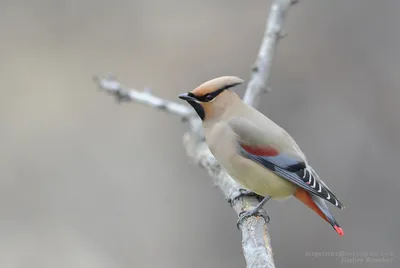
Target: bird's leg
(246, 214)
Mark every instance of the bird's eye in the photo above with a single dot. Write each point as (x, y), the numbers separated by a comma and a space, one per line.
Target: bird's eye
(209, 97)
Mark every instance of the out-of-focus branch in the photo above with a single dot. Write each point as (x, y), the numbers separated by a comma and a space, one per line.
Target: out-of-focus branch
(255, 238)
(113, 86)
(262, 68)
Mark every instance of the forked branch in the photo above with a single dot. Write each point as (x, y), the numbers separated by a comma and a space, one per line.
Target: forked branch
(255, 237)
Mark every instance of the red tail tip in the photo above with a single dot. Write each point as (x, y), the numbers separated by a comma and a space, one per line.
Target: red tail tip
(339, 230)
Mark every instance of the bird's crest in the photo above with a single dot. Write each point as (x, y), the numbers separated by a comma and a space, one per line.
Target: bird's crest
(217, 84)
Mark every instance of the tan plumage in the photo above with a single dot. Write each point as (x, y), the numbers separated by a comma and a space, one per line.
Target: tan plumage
(254, 150)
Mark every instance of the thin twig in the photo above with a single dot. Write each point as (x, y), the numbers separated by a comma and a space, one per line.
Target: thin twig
(255, 237)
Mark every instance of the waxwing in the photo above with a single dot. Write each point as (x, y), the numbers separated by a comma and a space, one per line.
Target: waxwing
(255, 151)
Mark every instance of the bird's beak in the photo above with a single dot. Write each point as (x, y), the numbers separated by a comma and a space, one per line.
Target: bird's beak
(186, 97)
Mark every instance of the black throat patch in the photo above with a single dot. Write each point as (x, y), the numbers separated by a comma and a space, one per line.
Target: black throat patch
(198, 108)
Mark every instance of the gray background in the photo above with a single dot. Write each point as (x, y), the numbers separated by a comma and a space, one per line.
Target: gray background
(85, 182)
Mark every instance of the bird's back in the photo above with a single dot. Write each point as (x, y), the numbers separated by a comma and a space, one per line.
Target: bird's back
(268, 130)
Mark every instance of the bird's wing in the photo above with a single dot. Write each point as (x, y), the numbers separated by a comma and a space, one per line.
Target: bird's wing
(277, 151)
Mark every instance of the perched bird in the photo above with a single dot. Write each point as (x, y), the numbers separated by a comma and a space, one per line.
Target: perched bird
(255, 151)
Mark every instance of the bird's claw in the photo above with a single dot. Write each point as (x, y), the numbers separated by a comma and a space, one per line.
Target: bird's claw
(245, 192)
(255, 212)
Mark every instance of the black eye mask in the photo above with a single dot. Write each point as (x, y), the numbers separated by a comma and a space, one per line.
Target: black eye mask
(205, 98)
(210, 96)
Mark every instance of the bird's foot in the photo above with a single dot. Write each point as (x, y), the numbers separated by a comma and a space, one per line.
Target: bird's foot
(256, 211)
(245, 192)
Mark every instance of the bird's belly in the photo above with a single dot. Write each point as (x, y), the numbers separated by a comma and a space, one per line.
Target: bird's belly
(260, 180)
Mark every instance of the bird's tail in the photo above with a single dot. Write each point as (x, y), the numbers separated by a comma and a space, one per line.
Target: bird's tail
(319, 206)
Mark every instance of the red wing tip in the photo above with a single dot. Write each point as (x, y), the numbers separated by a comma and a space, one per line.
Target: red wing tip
(339, 230)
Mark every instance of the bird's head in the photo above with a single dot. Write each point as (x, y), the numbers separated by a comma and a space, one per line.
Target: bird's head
(212, 96)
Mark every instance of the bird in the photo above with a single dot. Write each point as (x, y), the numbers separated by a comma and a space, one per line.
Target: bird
(255, 151)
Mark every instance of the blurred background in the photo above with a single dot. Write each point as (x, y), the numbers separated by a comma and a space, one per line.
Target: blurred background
(85, 182)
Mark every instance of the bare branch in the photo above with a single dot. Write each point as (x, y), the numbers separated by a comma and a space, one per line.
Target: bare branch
(113, 86)
(262, 68)
(255, 237)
